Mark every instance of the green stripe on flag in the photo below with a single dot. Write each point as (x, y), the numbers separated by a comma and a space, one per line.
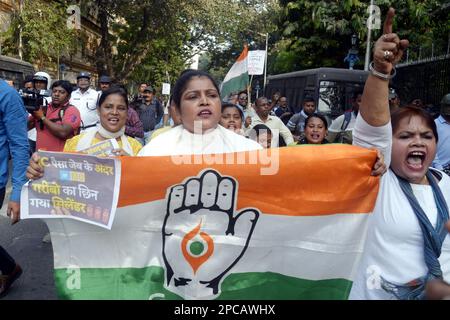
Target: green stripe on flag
(141, 283)
(235, 85)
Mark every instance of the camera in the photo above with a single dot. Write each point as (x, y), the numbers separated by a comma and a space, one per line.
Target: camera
(34, 99)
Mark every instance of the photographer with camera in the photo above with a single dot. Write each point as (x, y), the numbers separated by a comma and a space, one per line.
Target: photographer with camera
(58, 121)
(33, 97)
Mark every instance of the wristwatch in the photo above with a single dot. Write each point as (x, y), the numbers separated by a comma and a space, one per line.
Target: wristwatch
(42, 118)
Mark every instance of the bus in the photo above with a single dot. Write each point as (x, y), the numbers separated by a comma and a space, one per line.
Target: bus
(331, 88)
(15, 70)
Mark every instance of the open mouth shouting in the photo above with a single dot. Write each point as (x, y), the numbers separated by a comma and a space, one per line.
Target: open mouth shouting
(415, 160)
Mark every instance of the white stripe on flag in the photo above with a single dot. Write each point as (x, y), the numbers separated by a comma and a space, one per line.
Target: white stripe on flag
(321, 247)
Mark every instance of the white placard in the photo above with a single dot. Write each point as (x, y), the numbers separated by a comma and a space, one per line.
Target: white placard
(255, 62)
(166, 88)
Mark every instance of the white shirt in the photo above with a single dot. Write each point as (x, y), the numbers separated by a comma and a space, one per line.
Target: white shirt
(86, 103)
(276, 126)
(394, 243)
(337, 123)
(179, 141)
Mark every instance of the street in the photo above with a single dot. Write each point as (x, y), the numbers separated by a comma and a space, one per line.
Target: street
(23, 241)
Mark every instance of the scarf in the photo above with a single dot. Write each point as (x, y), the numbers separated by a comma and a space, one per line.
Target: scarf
(432, 238)
(87, 138)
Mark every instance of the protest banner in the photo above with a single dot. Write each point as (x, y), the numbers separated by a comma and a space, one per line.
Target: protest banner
(224, 230)
(74, 186)
(256, 60)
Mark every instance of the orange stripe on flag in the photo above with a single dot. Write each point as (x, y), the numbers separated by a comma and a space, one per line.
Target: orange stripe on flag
(243, 54)
(311, 180)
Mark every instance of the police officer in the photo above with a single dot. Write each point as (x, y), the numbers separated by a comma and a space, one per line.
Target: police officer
(85, 99)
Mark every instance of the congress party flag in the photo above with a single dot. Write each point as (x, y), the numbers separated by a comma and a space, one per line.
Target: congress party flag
(204, 227)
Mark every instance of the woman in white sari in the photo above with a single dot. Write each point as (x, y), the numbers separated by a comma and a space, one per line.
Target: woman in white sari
(197, 101)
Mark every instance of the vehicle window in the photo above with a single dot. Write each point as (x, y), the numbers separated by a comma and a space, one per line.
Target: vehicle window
(335, 97)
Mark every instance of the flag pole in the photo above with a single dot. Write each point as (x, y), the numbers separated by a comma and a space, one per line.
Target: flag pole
(249, 96)
(265, 63)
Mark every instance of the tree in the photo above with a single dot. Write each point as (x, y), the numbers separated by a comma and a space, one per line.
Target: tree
(317, 33)
(156, 39)
(44, 33)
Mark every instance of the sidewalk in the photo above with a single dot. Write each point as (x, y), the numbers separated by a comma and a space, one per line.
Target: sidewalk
(23, 241)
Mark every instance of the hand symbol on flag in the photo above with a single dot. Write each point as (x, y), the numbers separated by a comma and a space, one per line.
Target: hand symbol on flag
(203, 236)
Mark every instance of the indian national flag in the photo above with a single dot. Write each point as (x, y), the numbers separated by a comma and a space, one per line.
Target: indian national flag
(237, 78)
(221, 230)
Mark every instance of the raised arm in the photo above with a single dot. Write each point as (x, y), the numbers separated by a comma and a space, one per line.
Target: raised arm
(387, 52)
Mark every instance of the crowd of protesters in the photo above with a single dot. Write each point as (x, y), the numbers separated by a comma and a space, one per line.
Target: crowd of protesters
(414, 245)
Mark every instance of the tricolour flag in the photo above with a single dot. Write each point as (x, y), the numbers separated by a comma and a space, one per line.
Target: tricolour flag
(224, 231)
(237, 78)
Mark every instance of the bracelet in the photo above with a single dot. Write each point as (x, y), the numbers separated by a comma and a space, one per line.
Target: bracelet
(380, 75)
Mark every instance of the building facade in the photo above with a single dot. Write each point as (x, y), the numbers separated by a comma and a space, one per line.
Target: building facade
(68, 66)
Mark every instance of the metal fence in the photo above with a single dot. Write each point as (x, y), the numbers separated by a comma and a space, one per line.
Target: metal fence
(428, 80)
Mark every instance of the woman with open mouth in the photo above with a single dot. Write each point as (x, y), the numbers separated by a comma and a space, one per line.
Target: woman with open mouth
(196, 98)
(232, 117)
(316, 129)
(407, 245)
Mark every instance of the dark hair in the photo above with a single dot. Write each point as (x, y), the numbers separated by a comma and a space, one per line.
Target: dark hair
(356, 93)
(230, 105)
(242, 92)
(27, 79)
(308, 99)
(113, 90)
(319, 116)
(66, 85)
(411, 111)
(121, 86)
(257, 130)
(183, 80)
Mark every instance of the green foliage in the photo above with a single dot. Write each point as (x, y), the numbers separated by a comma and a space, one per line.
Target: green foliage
(318, 33)
(44, 33)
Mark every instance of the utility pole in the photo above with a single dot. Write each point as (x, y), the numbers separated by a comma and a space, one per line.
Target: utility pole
(369, 38)
(20, 32)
